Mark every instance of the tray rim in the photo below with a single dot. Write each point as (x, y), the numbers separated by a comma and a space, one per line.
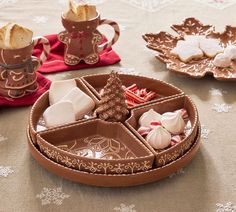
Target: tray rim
(110, 180)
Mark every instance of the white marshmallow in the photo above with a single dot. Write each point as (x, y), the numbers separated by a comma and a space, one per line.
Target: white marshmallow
(173, 122)
(148, 117)
(59, 113)
(82, 103)
(211, 47)
(159, 138)
(59, 89)
(230, 51)
(222, 60)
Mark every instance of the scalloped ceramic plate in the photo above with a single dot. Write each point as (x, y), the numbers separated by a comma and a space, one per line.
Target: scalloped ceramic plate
(164, 42)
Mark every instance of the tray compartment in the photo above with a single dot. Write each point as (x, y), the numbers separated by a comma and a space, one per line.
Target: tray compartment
(163, 157)
(96, 146)
(36, 122)
(164, 90)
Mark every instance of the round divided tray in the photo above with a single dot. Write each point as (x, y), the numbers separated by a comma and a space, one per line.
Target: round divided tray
(99, 148)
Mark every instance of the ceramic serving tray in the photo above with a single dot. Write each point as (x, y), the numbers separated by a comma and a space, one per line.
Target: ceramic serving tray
(114, 180)
(164, 42)
(96, 146)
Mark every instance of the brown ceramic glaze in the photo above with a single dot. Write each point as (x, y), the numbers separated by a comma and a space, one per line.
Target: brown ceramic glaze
(96, 146)
(17, 72)
(164, 42)
(35, 120)
(115, 180)
(164, 90)
(163, 157)
(82, 39)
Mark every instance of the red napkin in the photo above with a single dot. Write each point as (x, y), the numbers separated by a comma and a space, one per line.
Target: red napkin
(55, 60)
(43, 85)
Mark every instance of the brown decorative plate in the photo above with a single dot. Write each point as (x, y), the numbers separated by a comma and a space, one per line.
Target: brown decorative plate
(114, 180)
(164, 42)
(96, 146)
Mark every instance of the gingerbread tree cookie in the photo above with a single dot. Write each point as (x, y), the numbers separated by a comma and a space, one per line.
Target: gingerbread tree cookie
(112, 106)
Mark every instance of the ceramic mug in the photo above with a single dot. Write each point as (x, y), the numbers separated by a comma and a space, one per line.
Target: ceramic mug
(17, 69)
(82, 39)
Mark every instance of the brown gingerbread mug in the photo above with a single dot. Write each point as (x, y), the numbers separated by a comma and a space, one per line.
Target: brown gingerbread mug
(17, 69)
(82, 39)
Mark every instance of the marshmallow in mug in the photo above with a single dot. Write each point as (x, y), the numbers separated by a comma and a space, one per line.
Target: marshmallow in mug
(66, 99)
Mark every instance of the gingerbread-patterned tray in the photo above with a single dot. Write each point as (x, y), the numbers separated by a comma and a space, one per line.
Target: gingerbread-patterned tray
(97, 146)
(164, 42)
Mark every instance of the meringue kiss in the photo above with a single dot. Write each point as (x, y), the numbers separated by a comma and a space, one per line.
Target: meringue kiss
(148, 117)
(159, 138)
(173, 122)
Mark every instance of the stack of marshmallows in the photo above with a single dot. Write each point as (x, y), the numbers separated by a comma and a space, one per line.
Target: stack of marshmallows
(80, 12)
(159, 129)
(67, 103)
(13, 36)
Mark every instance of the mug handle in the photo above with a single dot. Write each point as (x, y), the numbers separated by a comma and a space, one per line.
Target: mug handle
(116, 28)
(46, 48)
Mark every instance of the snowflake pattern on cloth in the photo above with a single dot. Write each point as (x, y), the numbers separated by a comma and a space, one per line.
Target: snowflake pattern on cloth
(204, 132)
(4, 3)
(52, 195)
(5, 171)
(221, 108)
(40, 19)
(2, 138)
(125, 208)
(122, 27)
(228, 207)
(218, 4)
(149, 5)
(179, 172)
(217, 92)
(128, 71)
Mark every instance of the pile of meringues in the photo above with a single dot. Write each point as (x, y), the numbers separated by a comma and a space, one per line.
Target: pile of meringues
(159, 129)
